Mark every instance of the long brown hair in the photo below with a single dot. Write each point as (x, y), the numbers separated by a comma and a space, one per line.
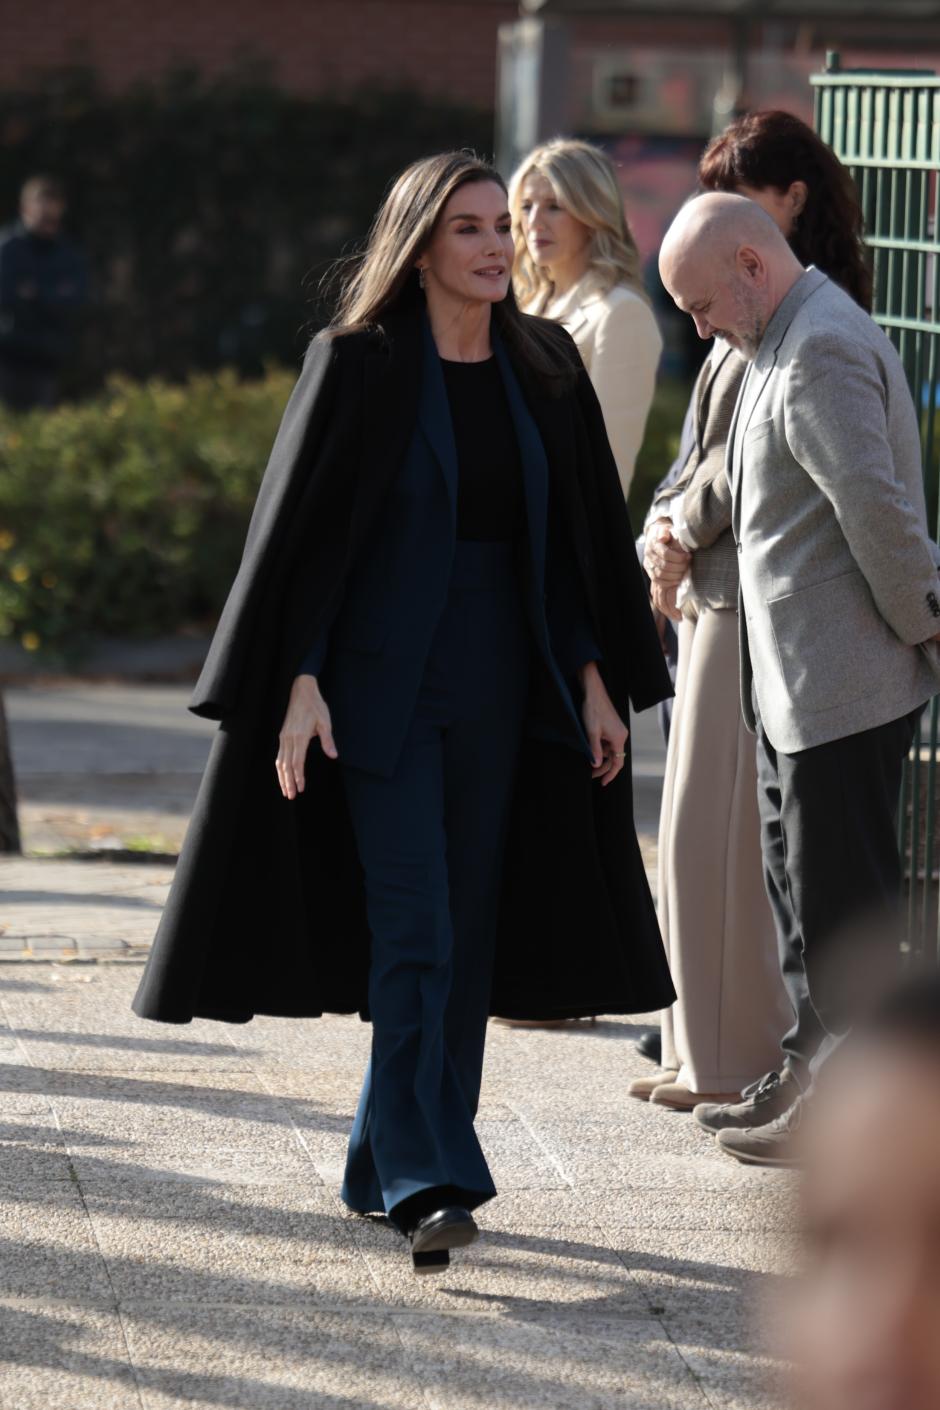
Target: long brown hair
(775, 149)
(383, 279)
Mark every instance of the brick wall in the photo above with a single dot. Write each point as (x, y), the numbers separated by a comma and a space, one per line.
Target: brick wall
(438, 46)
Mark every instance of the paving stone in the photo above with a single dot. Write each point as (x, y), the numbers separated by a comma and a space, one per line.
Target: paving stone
(60, 1356)
(70, 907)
(47, 1245)
(558, 1272)
(340, 1043)
(257, 1245)
(734, 1374)
(93, 1028)
(619, 1265)
(151, 1109)
(190, 1357)
(766, 1208)
(32, 1147)
(601, 1362)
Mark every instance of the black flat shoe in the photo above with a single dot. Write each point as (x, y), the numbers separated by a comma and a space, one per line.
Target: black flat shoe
(650, 1046)
(436, 1234)
(433, 1262)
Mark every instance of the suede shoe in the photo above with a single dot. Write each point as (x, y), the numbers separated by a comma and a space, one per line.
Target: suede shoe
(773, 1145)
(760, 1104)
(644, 1087)
(680, 1097)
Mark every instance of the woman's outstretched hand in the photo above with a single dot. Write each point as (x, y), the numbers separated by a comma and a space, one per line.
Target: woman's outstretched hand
(307, 718)
(607, 734)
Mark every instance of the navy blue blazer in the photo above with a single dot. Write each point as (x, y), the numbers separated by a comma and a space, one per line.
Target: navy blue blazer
(371, 656)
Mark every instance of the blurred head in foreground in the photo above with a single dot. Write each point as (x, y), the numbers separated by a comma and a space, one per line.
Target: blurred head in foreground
(864, 1323)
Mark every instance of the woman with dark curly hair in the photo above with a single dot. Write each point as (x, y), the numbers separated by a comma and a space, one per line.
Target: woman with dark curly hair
(733, 1006)
(783, 165)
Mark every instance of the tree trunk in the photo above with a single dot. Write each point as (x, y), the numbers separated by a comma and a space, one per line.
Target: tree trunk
(9, 825)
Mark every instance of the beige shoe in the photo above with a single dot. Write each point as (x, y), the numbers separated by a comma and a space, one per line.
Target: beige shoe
(644, 1087)
(676, 1095)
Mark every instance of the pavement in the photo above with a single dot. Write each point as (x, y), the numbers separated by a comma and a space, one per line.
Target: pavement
(170, 1228)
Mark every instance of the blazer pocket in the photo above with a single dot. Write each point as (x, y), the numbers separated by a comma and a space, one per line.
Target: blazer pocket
(758, 431)
(833, 645)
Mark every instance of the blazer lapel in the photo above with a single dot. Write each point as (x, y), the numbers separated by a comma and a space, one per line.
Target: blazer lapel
(732, 457)
(534, 462)
(434, 416)
(759, 371)
(716, 363)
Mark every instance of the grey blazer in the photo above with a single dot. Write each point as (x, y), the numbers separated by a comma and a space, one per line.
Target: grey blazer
(838, 573)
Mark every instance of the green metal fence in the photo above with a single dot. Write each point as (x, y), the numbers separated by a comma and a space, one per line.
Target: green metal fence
(885, 126)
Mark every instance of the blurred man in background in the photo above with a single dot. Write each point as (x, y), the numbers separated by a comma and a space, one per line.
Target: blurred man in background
(43, 284)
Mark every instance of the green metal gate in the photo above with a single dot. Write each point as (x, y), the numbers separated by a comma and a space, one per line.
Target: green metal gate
(885, 126)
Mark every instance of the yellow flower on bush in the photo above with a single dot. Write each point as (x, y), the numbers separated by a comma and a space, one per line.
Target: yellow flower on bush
(14, 440)
(19, 573)
(30, 641)
(7, 540)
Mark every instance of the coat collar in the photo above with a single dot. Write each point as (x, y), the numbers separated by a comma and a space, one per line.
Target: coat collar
(571, 311)
(434, 414)
(532, 455)
(804, 288)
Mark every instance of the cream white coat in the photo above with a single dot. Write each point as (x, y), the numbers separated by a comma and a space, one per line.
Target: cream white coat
(620, 343)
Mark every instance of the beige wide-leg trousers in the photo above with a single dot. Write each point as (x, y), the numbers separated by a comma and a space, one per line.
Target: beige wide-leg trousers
(732, 1009)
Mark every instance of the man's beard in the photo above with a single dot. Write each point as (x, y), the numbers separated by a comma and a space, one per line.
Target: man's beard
(749, 343)
(751, 325)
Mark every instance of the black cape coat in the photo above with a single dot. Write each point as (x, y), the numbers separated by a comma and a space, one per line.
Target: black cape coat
(267, 913)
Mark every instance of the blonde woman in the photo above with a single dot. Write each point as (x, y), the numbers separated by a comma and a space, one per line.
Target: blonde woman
(577, 263)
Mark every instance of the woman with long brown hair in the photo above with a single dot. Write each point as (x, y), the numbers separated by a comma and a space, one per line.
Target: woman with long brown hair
(418, 802)
(733, 1005)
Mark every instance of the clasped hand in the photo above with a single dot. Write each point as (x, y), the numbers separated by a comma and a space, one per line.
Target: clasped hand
(667, 564)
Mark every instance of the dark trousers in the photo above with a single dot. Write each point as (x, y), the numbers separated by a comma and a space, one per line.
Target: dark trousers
(833, 874)
(431, 840)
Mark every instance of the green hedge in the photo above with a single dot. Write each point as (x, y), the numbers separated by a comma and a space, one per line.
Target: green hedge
(125, 516)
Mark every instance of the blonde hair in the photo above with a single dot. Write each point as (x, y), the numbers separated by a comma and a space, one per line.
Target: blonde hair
(383, 278)
(584, 180)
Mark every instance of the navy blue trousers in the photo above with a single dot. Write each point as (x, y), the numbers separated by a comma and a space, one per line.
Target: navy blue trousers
(431, 841)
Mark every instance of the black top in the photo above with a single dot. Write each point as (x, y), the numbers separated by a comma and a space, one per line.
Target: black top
(490, 503)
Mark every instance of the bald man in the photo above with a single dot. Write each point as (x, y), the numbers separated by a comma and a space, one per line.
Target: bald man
(838, 611)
